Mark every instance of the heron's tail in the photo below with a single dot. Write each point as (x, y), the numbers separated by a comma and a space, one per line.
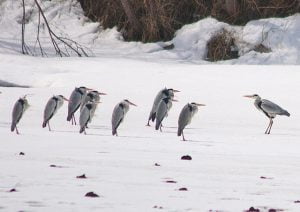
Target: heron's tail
(44, 124)
(13, 126)
(152, 116)
(81, 129)
(114, 131)
(179, 132)
(285, 113)
(157, 124)
(69, 117)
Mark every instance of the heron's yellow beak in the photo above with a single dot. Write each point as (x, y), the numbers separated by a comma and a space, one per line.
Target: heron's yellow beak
(175, 91)
(248, 96)
(102, 93)
(200, 104)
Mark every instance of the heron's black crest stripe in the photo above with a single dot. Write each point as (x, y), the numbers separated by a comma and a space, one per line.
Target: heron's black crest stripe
(166, 100)
(190, 107)
(22, 102)
(166, 92)
(121, 105)
(55, 98)
(79, 91)
(89, 106)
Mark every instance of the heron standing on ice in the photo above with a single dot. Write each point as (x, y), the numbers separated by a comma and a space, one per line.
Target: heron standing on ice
(161, 94)
(186, 115)
(19, 109)
(91, 96)
(119, 113)
(75, 101)
(162, 111)
(269, 108)
(52, 106)
(86, 115)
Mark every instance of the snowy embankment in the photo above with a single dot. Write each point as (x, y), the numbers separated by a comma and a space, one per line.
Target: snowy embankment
(234, 165)
(66, 18)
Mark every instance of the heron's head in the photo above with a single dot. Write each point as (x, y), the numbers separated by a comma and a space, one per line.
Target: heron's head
(129, 102)
(169, 99)
(84, 88)
(254, 96)
(197, 104)
(63, 98)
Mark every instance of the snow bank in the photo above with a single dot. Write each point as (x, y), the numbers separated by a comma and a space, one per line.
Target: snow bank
(66, 18)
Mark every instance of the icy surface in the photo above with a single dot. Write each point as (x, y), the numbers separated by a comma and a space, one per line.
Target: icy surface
(234, 164)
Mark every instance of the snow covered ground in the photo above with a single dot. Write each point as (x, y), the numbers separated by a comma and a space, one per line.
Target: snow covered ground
(234, 164)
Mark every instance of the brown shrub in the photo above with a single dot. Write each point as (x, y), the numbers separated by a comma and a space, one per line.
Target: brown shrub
(221, 46)
(158, 19)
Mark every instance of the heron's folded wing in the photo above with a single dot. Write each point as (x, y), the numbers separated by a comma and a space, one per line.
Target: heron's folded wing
(50, 109)
(17, 112)
(117, 116)
(270, 107)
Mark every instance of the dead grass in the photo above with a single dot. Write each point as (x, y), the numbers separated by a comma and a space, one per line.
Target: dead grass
(221, 46)
(159, 19)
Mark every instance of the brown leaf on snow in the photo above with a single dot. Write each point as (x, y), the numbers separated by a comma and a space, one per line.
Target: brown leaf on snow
(91, 194)
(186, 157)
(81, 176)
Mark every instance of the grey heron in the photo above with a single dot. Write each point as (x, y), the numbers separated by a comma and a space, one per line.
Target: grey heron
(92, 96)
(186, 115)
(119, 113)
(161, 94)
(162, 110)
(52, 106)
(269, 108)
(18, 111)
(86, 115)
(75, 100)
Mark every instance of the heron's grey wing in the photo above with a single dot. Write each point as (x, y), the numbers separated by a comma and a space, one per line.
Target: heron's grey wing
(84, 117)
(50, 109)
(184, 117)
(271, 107)
(84, 101)
(16, 114)
(117, 116)
(161, 113)
(157, 99)
(74, 103)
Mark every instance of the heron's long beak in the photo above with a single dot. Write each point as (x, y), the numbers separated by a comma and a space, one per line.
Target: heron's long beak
(248, 96)
(200, 104)
(174, 100)
(175, 91)
(132, 103)
(89, 89)
(102, 93)
(64, 98)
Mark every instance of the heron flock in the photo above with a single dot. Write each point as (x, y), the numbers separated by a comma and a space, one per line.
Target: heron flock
(86, 101)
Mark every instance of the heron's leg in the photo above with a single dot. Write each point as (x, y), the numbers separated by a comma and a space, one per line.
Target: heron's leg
(148, 124)
(117, 133)
(271, 124)
(183, 137)
(17, 131)
(266, 132)
(84, 132)
(160, 128)
(74, 119)
(49, 126)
